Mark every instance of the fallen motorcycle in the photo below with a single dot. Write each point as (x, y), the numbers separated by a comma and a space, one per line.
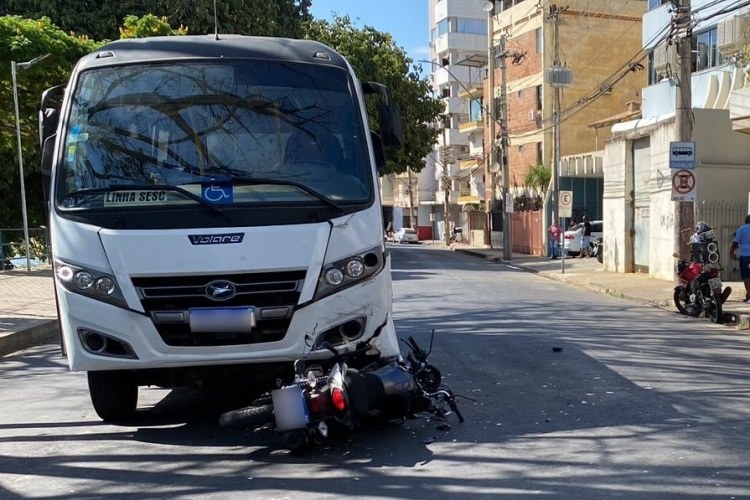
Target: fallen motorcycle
(700, 288)
(305, 410)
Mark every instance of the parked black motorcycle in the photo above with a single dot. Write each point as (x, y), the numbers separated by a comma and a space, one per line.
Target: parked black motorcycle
(700, 287)
(305, 410)
(597, 250)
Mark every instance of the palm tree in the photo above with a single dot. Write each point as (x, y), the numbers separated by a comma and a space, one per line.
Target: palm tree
(537, 179)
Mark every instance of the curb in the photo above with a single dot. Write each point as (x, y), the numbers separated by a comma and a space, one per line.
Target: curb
(44, 332)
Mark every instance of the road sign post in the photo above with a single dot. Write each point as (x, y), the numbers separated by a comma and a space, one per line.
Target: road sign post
(565, 207)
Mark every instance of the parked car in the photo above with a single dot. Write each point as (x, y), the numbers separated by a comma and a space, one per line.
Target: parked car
(572, 237)
(405, 235)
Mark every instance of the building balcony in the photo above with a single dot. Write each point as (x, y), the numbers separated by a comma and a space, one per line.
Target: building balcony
(470, 126)
(469, 162)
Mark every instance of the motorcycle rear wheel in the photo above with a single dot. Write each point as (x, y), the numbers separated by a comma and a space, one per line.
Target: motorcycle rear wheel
(251, 416)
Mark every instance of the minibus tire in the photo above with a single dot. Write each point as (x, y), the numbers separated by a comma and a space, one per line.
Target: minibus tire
(114, 395)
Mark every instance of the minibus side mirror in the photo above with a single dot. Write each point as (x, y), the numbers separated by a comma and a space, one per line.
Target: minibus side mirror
(391, 128)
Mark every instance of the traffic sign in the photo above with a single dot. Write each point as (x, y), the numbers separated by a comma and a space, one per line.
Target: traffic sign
(565, 204)
(682, 155)
(683, 185)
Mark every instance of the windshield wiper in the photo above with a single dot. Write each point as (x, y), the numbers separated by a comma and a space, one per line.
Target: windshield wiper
(145, 187)
(258, 181)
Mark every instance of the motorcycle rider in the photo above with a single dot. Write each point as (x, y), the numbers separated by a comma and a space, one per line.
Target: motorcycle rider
(741, 242)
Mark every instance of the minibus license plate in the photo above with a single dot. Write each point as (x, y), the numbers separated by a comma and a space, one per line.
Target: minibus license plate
(222, 319)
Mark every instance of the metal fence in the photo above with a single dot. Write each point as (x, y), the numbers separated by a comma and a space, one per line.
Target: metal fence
(724, 217)
(13, 247)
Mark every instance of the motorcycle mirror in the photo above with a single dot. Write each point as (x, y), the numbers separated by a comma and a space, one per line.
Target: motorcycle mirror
(675, 255)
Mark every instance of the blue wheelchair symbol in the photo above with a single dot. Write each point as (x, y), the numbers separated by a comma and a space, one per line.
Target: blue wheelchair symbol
(217, 193)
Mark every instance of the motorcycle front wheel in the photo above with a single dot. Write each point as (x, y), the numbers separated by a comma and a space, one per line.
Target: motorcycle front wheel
(694, 303)
(682, 300)
(714, 310)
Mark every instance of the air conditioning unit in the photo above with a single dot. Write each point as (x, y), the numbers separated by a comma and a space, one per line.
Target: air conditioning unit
(665, 59)
(732, 34)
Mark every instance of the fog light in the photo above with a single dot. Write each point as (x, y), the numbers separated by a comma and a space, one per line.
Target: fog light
(105, 286)
(83, 280)
(334, 276)
(354, 268)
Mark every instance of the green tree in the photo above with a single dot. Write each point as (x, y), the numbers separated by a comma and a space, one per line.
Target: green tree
(148, 25)
(538, 178)
(103, 20)
(375, 56)
(26, 39)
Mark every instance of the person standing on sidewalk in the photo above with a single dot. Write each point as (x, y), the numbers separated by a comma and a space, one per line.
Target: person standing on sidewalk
(586, 238)
(554, 232)
(742, 242)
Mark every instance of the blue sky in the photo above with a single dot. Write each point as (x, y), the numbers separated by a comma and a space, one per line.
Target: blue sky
(406, 20)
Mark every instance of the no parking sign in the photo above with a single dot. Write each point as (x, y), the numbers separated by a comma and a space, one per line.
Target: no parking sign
(565, 204)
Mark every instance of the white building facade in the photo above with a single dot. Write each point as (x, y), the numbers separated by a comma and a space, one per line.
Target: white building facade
(639, 214)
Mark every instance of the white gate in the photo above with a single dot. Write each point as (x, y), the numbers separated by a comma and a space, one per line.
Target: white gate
(725, 217)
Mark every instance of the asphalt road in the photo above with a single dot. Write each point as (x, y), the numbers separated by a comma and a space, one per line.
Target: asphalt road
(577, 395)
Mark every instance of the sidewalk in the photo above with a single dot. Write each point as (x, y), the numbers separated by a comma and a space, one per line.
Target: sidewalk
(28, 312)
(588, 273)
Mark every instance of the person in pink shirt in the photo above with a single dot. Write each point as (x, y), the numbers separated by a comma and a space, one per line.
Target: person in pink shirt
(554, 232)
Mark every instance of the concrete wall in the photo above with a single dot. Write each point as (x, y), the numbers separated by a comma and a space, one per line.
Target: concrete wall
(617, 219)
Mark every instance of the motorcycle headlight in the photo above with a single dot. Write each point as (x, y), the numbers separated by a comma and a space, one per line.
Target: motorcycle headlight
(346, 272)
(91, 283)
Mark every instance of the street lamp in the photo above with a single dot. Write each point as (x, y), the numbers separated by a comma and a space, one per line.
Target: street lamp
(13, 70)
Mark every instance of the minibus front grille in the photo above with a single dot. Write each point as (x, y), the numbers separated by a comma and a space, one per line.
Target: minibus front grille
(169, 299)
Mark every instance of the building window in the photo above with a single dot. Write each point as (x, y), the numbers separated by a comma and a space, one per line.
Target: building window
(539, 40)
(653, 4)
(442, 27)
(539, 155)
(475, 110)
(705, 53)
(471, 26)
(538, 97)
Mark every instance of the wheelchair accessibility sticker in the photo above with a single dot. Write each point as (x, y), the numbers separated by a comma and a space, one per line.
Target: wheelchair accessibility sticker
(217, 192)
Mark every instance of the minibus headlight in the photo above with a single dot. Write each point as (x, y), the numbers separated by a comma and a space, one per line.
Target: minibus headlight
(354, 268)
(89, 282)
(334, 276)
(83, 280)
(105, 286)
(339, 275)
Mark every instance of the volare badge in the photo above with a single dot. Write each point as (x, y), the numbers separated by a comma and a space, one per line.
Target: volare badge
(216, 239)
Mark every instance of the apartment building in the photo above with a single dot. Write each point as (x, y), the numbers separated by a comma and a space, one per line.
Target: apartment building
(453, 172)
(594, 41)
(640, 200)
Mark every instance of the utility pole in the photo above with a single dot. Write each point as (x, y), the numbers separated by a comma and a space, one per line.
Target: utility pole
(411, 199)
(504, 143)
(489, 181)
(446, 180)
(558, 77)
(684, 213)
